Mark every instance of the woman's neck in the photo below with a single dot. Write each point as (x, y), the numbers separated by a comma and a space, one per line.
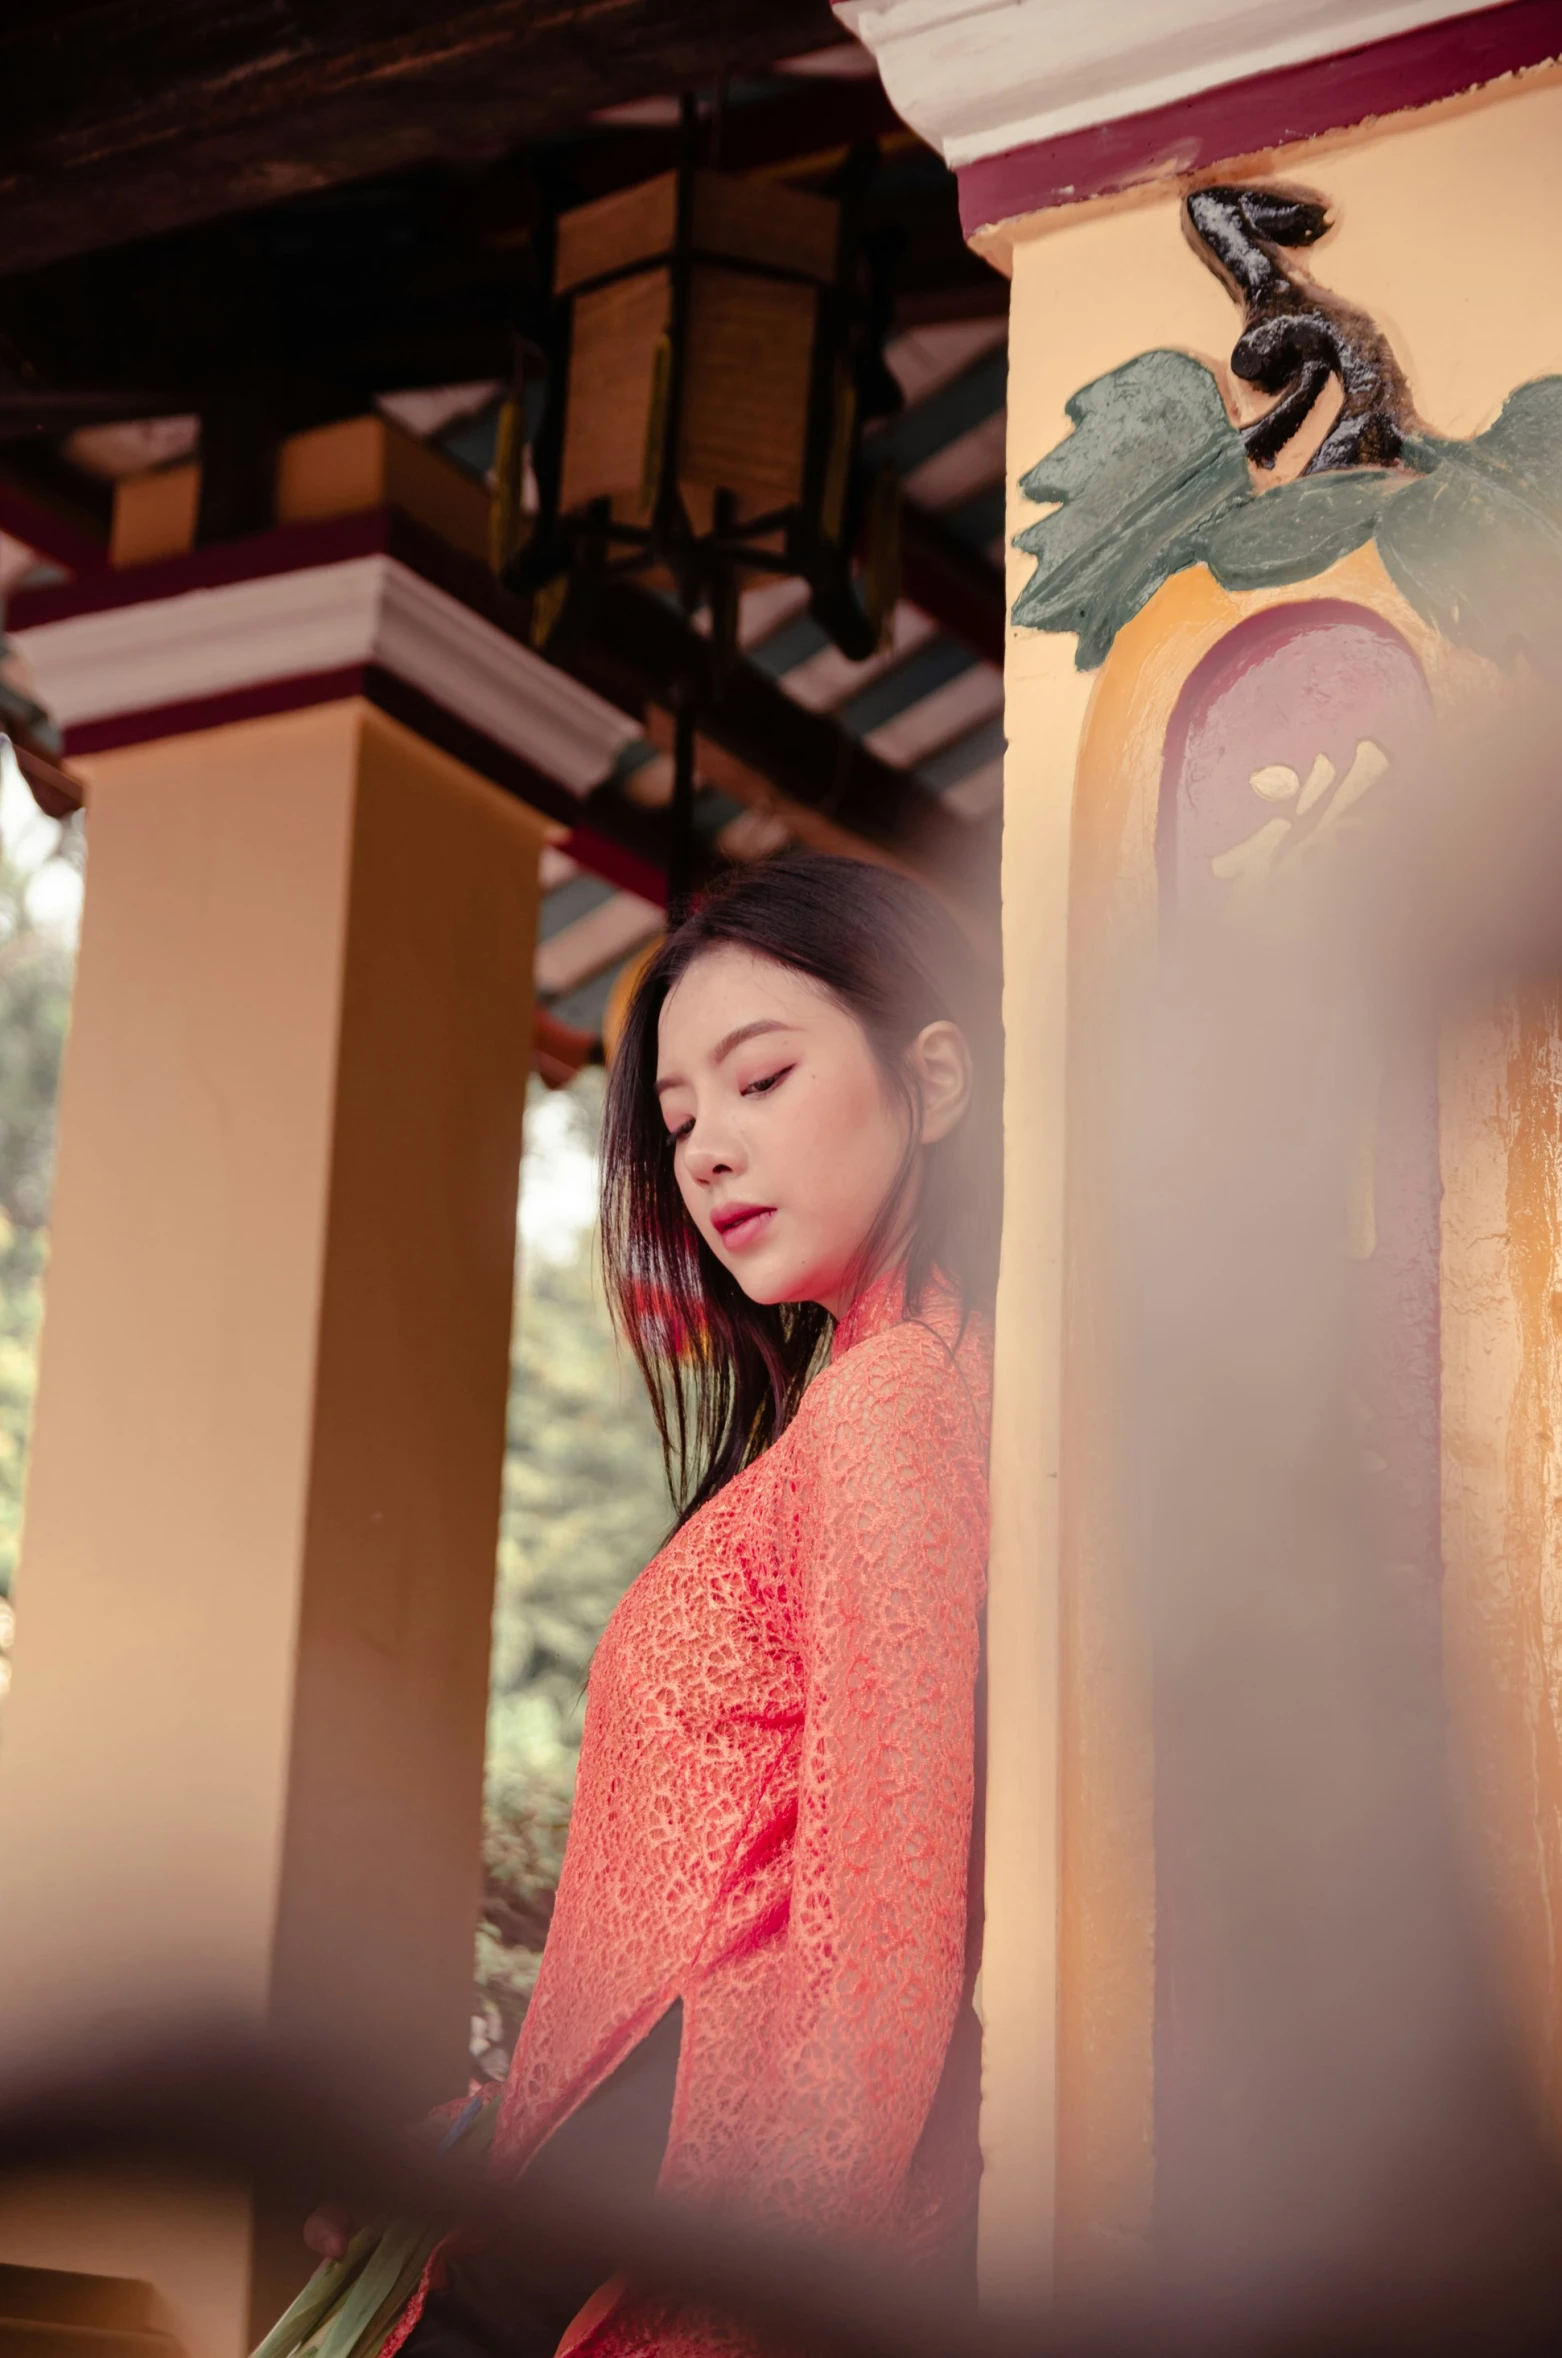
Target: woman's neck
(879, 1303)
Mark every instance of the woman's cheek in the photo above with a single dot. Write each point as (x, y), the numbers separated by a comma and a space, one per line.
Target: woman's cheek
(807, 1123)
(685, 1189)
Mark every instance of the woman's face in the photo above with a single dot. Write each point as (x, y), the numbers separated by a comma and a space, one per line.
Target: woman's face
(788, 1140)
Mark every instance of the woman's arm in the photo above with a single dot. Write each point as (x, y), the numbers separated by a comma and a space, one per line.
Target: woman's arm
(891, 1550)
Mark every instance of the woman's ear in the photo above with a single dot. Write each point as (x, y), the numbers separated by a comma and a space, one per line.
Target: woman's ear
(941, 1062)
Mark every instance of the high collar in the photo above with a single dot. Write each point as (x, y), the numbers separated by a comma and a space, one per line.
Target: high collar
(879, 1305)
(883, 1304)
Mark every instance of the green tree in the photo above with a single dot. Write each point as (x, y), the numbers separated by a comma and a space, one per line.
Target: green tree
(36, 965)
(585, 1507)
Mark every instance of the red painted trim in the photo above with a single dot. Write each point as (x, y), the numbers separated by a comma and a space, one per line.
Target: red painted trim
(1265, 110)
(289, 549)
(615, 865)
(292, 548)
(453, 735)
(33, 521)
(214, 712)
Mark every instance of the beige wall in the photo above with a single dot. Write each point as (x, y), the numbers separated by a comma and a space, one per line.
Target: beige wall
(243, 1751)
(1448, 227)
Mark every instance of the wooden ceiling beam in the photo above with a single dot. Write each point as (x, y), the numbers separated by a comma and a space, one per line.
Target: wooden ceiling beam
(640, 654)
(175, 111)
(799, 133)
(960, 588)
(69, 526)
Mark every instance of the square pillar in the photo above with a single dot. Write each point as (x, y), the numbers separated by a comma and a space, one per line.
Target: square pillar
(1423, 205)
(1434, 151)
(243, 1755)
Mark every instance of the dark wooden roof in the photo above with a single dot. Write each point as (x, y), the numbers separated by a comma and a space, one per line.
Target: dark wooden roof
(267, 214)
(129, 117)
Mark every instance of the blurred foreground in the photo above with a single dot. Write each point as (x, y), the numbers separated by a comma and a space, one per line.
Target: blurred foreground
(1352, 2149)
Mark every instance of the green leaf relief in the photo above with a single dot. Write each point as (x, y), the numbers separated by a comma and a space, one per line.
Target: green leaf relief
(1152, 454)
(1153, 479)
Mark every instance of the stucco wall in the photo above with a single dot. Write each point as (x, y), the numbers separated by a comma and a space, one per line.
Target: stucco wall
(1448, 229)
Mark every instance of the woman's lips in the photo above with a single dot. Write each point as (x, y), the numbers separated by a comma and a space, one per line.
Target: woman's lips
(739, 1225)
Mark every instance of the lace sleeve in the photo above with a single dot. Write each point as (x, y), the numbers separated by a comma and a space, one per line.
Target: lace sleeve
(891, 1547)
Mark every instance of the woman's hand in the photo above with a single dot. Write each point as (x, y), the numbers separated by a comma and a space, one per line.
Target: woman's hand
(329, 2230)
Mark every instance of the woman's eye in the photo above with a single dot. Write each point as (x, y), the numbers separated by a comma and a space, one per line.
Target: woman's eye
(682, 1131)
(763, 1087)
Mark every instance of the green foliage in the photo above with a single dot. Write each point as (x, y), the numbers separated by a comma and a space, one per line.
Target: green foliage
(585, 1507)
(35, 984)
(1295, 530)
(1154, 479)
(523, 1844)
(1477, 546)
(1152, 455)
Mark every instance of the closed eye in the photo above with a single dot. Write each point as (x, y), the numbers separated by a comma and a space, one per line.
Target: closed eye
(762, 1088)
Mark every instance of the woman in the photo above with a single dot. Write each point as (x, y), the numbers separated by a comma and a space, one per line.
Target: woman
(764, 1905)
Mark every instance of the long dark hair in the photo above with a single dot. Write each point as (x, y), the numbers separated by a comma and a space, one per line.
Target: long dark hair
(726, 1374)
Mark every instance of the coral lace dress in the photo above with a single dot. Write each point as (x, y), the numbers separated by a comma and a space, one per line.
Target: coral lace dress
(773, 1822)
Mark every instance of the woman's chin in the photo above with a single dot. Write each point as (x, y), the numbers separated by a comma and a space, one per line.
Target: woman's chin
(771, 1286)
(767, 1290)
(772, 1277)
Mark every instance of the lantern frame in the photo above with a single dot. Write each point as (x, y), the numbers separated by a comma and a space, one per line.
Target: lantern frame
(842, 504)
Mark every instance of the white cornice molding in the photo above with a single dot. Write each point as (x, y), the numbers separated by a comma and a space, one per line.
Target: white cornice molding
(979, 77)
(203, 643)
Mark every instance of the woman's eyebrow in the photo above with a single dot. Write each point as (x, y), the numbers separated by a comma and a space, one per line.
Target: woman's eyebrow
(747, 1031)
(725, 1045)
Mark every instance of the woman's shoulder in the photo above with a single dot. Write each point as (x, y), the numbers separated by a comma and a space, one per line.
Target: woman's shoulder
(888, 1453)
(933, 1369)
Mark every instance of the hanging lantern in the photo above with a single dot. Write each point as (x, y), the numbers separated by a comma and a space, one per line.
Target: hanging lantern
(717, 346)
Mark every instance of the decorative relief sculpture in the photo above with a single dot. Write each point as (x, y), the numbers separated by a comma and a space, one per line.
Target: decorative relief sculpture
(1155, 477)
(1297, 335)
(1303, 719)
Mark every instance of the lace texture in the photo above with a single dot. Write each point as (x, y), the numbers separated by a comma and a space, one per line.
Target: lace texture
(773, 1820)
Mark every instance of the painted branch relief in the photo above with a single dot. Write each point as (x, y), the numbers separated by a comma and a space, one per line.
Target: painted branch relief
(1296, 335)
(1296, 729)
(1305, 718)
(1155, 477)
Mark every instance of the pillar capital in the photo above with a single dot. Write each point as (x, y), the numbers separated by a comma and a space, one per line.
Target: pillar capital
(978, 76)
(370, 605)
(1036, 103)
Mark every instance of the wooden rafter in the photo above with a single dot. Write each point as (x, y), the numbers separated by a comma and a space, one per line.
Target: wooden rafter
(144, 246)
(166, 112)
(635, 650)
(951, 581)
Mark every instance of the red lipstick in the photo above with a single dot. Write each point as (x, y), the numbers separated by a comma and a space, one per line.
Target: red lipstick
(742, 1224)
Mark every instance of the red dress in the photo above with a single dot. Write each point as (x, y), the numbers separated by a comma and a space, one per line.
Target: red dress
(773, 1817)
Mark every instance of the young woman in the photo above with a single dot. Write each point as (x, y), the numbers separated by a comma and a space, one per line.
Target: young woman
(762, 1948)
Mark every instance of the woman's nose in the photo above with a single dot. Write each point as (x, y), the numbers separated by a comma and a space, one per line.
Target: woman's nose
(708, 1155)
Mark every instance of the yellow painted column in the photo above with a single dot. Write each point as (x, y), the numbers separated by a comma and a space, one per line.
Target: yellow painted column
(1447, 221)
(243, 1752)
